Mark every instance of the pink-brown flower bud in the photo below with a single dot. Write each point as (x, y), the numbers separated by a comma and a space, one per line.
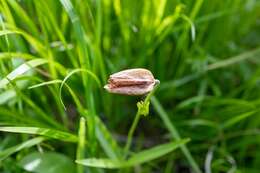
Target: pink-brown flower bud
(137, 81)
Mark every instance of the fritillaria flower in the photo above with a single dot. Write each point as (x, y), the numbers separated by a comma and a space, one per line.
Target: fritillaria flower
(137, 81)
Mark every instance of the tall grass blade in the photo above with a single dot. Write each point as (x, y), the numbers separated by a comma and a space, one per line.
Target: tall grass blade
(136, 159)
(175, 134)
(81, 143)
(21, 70)
(237, 119)
(51, 133)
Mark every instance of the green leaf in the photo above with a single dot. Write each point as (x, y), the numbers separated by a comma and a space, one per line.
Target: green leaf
(21, 70)
(48, 162)
(102, 163)
(45, 83)
(155, 152)
(106, 140)
(32, 40)
(136, 159)
(174, 132)
(27, 144)
(6, 96)
(21, 13)
(236, 59)
(11, 55)
(55, 134)
(81, 143)
(192, 26)
(10, 117)
(237, 119)
(200, 122)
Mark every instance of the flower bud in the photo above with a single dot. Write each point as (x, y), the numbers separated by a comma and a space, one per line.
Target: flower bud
(137, 81)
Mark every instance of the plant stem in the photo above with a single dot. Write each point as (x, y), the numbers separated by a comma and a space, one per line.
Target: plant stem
(141, 107)
(130, 133)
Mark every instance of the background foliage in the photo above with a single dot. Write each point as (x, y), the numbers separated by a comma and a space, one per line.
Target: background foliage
(59, 54)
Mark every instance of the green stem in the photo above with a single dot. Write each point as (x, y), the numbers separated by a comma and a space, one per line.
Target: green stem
(131, 133)
(143, 109)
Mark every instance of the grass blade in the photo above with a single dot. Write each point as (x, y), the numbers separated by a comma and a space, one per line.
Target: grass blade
(237, 119)
(102, 163)
(81, 143)
(155, 152)
(51, 133)
(106, 140)
(21, 70)
(70, 74)
(136, 159)
(32, 40)
(175, 134)
(235, 59)
(27, 144)
(220, 64)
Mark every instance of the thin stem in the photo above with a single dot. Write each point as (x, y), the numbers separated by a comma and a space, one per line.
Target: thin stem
(130, 133)
(143, 106)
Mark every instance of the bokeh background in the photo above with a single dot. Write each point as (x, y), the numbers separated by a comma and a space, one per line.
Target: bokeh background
(56, 56)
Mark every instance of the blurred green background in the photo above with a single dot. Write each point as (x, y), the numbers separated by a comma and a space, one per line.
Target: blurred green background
(56, 56)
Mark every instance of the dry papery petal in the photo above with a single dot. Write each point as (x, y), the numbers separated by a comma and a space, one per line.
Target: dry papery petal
(136, 81)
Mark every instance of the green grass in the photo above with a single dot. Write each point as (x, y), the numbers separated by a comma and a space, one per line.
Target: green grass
(55, 56)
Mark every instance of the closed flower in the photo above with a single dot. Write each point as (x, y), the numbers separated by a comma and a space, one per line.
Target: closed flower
(137, 81)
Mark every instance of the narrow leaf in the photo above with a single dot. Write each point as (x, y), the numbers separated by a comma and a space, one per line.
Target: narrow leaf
(237, 119)
(136, 159)
(21, 70)
(63, 136)
(27, 144)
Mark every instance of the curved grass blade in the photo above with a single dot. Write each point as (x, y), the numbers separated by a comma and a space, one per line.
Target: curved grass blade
(69, 75)
(51, 133)
(192, 26)
(21, 70)
(74, 96)
(136, 159)
(85, 63)
(45, 83)
(26, 56)
(37, 45)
